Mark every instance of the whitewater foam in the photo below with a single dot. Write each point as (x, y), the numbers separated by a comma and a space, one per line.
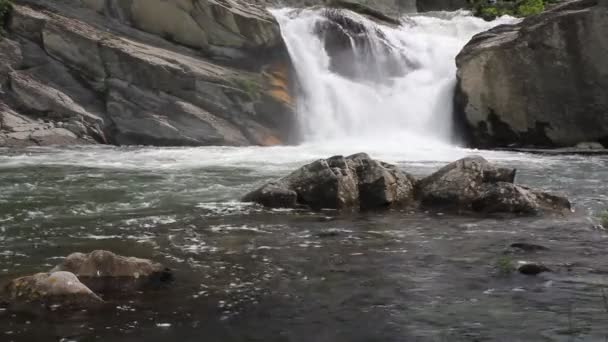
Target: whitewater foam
(413, 108)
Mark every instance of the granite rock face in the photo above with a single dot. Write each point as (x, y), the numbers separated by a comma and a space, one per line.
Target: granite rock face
(541, 82)
(145, 72)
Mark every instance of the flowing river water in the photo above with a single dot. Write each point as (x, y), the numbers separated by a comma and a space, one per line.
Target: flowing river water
(244, 273)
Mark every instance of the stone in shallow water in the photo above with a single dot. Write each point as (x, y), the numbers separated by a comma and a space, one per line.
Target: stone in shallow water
(460, 183)
(104, 271)
(49, 290)
(354, 182)
(528, 247)
(532, 269)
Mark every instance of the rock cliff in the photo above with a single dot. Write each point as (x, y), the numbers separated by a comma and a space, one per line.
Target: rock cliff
(187, 72)
(541, 82)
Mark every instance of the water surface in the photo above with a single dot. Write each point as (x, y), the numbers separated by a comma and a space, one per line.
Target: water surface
(249, 274)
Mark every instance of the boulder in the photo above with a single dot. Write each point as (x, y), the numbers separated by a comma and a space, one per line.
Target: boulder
(106, 272)
(49, 290)
(461, 183)
(354, 182)
(505, 197)
(473, 183)
(508, 94)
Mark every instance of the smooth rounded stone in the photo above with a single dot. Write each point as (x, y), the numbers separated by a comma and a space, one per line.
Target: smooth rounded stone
(460, 183)
(104, 271)
(532, 269)
(49, 291)
(353, 183)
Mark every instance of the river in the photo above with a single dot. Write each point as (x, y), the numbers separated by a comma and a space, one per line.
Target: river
(244, 273)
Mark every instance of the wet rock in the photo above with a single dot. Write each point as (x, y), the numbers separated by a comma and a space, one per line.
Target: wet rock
(380, 184)
(473, 183)
(104, 271)
(359, 50)
(329, 233)
(49, 290)
(532, 269)
(508, 95)
(460, 183)
(355, 182)
(510, 198)
(274, 195)
(528, 247)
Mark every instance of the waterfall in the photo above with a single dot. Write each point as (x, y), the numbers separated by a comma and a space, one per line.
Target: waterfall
(363, 81)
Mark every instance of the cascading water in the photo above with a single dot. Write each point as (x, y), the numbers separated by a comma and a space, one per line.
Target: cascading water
(362, 81)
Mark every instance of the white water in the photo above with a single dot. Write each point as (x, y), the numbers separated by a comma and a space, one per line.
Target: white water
(412, 110)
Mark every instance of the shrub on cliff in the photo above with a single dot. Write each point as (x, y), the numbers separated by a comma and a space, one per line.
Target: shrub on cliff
(490, 9)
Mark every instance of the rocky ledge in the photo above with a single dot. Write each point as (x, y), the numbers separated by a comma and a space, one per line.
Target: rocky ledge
(359, 182)
(180, 73)
(81, 281)
(541, 82)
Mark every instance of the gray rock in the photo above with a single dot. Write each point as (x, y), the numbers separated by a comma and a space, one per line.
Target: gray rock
(510, 198)
(508, 94)
(104, 271)
(474, 184)
(351, 183)
(460, 183)
(49, 290)
(274, 195)
(132, 81)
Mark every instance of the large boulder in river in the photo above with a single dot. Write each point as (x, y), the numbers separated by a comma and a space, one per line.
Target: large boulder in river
(49, 290)
(474, 184)
(354, 182)
(460, 183)
(539, 82)
(104, 271)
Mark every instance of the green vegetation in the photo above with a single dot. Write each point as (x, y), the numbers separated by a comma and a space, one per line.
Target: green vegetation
(505, 265)
(6, 7)
(517, 8)
(604, 218)
(249, 86)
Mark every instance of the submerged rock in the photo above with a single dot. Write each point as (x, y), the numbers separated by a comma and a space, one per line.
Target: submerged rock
(532, 269)
(105, 271)
(509, 95)
(49, 290)
(528, 247)
(354, 182)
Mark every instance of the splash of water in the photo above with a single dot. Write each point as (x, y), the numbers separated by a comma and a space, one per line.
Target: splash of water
(399, 82)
